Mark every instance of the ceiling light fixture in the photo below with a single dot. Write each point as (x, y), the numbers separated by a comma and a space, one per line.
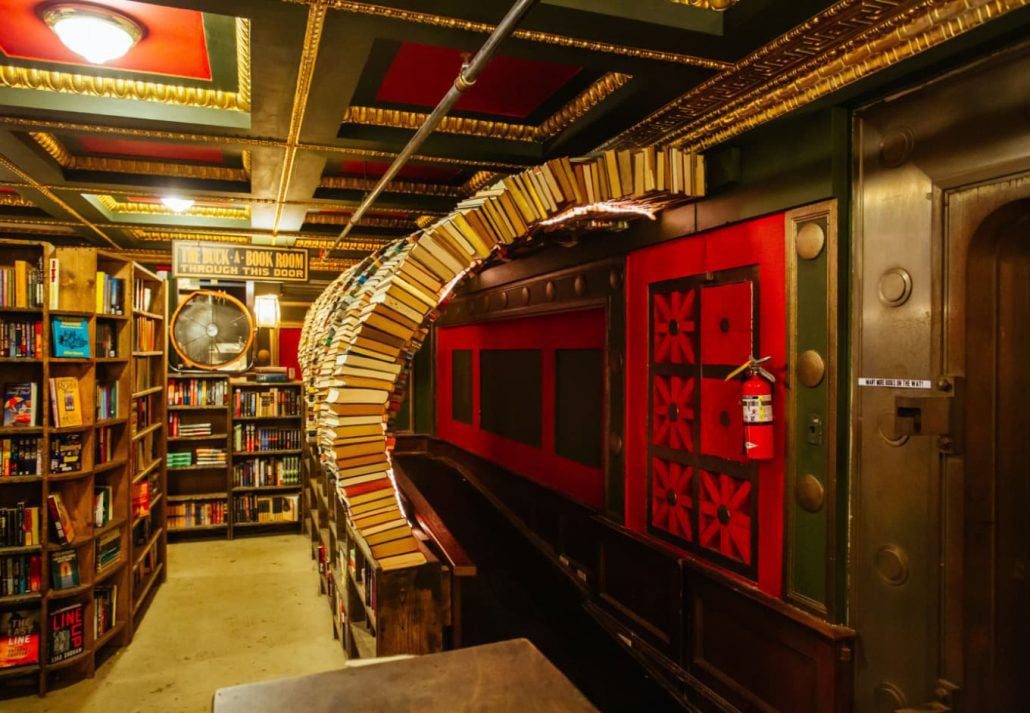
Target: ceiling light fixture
(96, 34)
(179, 205)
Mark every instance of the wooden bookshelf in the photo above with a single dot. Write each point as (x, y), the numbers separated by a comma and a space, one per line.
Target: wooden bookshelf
(257, 433)
(199, 496)
(105, 378)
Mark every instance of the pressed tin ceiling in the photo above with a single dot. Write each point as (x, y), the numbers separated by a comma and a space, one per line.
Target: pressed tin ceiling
(276, 116)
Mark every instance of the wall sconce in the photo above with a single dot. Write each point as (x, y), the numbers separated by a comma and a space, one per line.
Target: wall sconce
(266, 310)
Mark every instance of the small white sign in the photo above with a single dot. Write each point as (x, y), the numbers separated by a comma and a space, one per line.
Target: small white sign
(895, 383)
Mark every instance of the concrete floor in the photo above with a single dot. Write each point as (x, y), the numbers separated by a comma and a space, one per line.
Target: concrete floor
(231, 612)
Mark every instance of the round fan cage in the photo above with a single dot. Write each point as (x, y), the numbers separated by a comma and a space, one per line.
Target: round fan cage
(212, 330)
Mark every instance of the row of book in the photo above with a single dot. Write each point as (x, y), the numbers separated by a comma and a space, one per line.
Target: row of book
(107, 401)
(22, 284)
(107, 339)
(105, 609)
(142, 495)
(105, 446)
(267, 472)
(213, 457)
(142, 297)
(147, 374)
(110, 293)
(197, 392)
(20, 456)
(179, 459)
(21, 403)
(250, 438)
(274, 401)
(266, 508)
(143, 411)
(20, 574)
(147, 450)
(109, 549)
(184, 515)
(146, 334)
(66, 452)
(178, 429)
(20, 526)
(21, 338)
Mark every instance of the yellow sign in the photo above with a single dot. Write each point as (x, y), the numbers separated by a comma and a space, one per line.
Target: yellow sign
(241, 262)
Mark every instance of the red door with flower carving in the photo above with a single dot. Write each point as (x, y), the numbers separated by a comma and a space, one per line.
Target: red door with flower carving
(701, 489)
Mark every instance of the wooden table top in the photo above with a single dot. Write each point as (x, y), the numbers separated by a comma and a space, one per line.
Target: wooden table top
(506, 676)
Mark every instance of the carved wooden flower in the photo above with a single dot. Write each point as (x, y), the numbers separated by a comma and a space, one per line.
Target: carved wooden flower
(674, 325)
(673, 412)
(725, 517)
(671, 501)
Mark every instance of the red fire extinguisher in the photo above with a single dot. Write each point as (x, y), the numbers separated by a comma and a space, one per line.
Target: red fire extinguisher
(756, 400)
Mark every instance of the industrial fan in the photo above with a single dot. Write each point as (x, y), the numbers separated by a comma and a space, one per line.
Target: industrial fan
(213, 330)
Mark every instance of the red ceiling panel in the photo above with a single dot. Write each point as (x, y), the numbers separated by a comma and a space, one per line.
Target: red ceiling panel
(173, 41)
(100, 145)
(421, 74)
(375, 169)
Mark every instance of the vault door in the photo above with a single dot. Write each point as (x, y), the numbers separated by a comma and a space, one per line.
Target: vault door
(933, 165)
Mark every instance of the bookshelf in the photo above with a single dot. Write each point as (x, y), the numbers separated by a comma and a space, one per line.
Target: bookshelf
(83, 456)
(259, 427)
(198, 417)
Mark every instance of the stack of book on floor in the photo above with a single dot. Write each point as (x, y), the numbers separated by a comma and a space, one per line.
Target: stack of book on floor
(180, 459)
(213, 457)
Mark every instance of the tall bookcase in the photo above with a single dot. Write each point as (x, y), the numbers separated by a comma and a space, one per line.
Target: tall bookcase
(263, 462)
(104, 380)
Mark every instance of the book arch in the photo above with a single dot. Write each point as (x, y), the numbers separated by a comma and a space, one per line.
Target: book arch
(360, 334)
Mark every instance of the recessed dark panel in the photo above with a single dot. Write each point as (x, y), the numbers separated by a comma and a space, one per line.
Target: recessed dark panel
(510, 393)
(461, 385)
(578, 404)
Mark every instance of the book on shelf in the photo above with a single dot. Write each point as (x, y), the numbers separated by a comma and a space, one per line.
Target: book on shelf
(54, 283)
(141, 499)
(21, 284)
(20, 526)
(184, 391)
(21, 338)
(20, 456)
(60, 520)
(142, 297)
(200, 513)
(66, 633)
(20, 574)
(105, 609)
(178, 429)
(64, 569)
(19, 638)
(267, 472)
(110, 294)
(21, 405)
(410, 559)
(104, 445)
(179, 459)
(141, 532)
(251, 438)
(142, 415)
(107, 401)
(145, 334)
(264, 509)
(210, 456)
(106, 339)
(71, 337)
(103, 505)
(64, 401)
(144, 375)
(108, 549)
(66, 452)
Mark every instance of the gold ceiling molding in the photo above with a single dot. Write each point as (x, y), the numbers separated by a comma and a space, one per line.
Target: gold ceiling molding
(6, 164)
(478, 180)
(718, 5)
(150, 235)
(139, 90)
(13, 200)
(485, 128)
(305, 73)
(921, 27)
(455, 23)
(50, 125)
(847, 41)
(352, 183)
(52, 145)
(321, 264)
(348, 244)
(119, 207)
(424, 221)
(316, 218)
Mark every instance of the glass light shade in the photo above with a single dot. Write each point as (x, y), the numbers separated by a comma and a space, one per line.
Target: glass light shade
(266, 310)
(179, 205)
(96, 34)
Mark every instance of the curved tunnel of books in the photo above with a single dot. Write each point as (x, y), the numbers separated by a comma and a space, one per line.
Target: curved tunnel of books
(360, 334)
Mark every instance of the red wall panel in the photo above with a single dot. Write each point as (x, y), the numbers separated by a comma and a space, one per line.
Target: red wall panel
(289, 340)
(758, 243)
(568, 330)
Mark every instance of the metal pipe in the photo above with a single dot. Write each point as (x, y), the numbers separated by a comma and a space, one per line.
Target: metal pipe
(466, 78)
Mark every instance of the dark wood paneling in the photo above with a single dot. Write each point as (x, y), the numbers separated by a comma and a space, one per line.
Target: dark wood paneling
(510, 394)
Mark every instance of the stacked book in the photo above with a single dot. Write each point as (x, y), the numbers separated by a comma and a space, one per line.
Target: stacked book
(212, 457)
(360, 334)
(177, 428)
(180, 459)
